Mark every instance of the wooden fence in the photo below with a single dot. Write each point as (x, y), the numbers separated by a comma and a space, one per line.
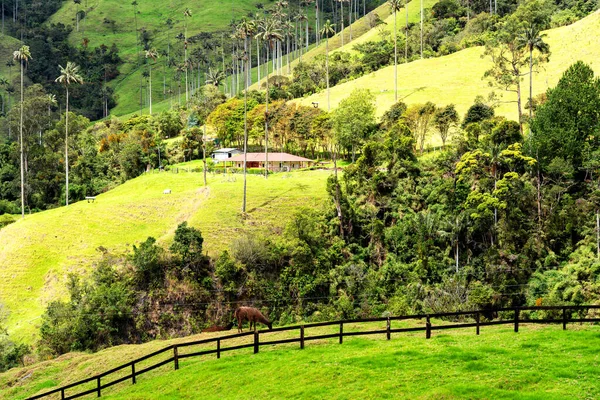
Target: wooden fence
(559, 314)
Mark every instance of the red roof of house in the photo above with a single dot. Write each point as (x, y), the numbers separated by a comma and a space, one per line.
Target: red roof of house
(273, 157)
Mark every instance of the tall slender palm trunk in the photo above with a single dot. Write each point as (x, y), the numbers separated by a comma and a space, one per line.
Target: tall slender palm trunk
(267, 121)
(67, 149)
(395, 58)
(406, 37)
(150, 88)
(245, 127)
(422, 16)
(530, 83)
(327, 72)
(22, 158)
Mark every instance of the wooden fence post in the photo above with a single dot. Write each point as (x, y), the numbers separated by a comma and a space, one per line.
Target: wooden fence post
(516, 320)
(99, 385)
(341, 332)
(133, 373)
(62, 394)
(256, 344)
(477, 322)
(176, 357)
(564, 319)
(302, 337)
(218, 348)
(388, 327)
(428, 328)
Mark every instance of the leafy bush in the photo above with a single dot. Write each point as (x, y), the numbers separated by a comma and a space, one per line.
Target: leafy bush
(6, 220)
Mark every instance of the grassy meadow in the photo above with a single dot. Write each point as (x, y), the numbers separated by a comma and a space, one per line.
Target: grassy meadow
(39, 251)
(458, 78)
(540, 362)
(210, 16)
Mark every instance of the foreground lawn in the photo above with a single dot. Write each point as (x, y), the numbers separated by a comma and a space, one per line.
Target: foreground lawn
(38, 252)
(537, 363)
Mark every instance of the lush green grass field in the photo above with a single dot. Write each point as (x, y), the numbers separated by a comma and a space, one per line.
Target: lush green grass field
(537, 363)
(38, 252)
(458, 78)
(374, 35)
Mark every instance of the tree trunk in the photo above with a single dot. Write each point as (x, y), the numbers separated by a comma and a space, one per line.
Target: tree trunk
(245, 128)
(530, 84)
(327, 71)
(150, 88)
(422, 16)
(597, 234)
(456, 256)
(519, 105)
(338, 204)
(267, 123)
(395, 59)
(67, 148)
(21, 140)
(406, 37)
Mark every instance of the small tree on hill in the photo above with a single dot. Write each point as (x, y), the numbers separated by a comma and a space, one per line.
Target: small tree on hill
(444, 119)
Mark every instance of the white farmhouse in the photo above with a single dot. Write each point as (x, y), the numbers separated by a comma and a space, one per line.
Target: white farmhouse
(224, 154)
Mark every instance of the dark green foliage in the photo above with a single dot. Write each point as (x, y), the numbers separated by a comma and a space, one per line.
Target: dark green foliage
(149, 270)
(478, 112)
(569, 118)
(376, 55)
(448, 9)
(99, 314)
(393, 115)
(187, 245)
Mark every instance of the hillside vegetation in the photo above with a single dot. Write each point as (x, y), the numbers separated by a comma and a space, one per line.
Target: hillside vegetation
(152, 16)
(537, 363)
(39, 251)
(458, 78)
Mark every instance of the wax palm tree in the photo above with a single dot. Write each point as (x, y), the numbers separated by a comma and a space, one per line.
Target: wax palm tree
(328, 29)
(532, 39)
(68, 75)
(187, 13)
(22, 55)
(214, 77)
(395, 6)
(153, 55)
(270, 33)
(245, 29)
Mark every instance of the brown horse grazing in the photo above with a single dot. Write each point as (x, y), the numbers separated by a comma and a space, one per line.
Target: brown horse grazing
(251, 315)
(217, 328)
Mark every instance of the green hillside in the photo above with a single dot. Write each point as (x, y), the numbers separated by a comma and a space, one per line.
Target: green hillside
(537, 363)
(458, 78)
(414, 16)
(39, 251)
(152, 15)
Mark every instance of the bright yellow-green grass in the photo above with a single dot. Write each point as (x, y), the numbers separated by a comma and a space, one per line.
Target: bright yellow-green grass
(374, 35)
(537, 363)
(458, 78)
(38, 252)
(207, 16)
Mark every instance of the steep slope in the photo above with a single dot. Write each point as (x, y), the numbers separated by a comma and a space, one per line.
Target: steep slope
(458, 78)
(38, 252)
(152, 15)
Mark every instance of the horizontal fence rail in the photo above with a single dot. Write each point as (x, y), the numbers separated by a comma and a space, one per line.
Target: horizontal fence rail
(96, 384)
